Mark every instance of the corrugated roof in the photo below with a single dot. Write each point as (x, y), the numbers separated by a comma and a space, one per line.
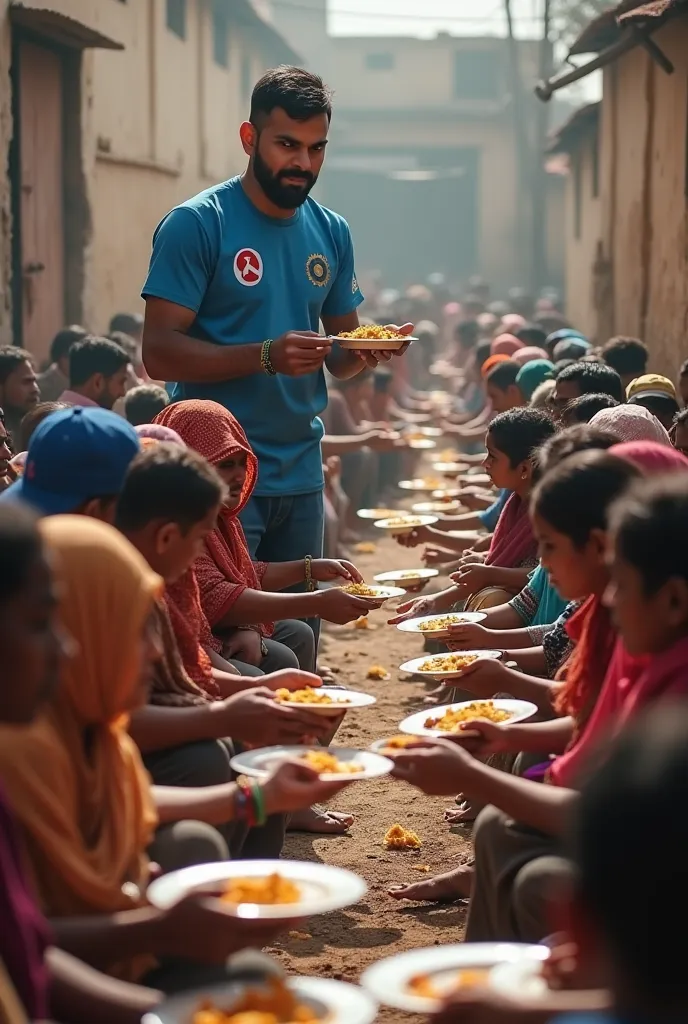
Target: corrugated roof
(581, 123)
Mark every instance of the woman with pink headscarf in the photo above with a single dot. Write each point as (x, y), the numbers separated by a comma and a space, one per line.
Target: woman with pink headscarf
(631, 423)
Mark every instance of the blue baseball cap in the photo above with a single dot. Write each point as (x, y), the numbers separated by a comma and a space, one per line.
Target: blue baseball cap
(75, 454)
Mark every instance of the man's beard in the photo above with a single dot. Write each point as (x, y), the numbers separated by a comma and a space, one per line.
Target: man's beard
(286, 197)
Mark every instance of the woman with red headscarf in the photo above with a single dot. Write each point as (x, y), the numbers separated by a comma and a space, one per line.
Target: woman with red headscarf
(253, 621)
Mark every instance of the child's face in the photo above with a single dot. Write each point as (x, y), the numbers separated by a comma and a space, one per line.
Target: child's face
(575, 572)
(647, 623)
(175, 550)
(499, 468)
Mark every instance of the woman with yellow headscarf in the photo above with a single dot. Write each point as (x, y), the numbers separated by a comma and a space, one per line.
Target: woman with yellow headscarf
(77, 785)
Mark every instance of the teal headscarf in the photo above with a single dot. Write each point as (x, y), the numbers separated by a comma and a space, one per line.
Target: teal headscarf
(532, 375)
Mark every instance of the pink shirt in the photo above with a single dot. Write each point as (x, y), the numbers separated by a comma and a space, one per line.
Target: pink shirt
(629, 686)
(74, 398)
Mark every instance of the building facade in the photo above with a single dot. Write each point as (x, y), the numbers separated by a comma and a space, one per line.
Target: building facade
(111, 113)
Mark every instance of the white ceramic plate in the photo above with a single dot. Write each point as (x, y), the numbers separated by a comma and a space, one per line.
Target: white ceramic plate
(449, 468)
(420, 484)
(406, 577)
(333, 1001)
(441, 508)
(376, 513)
(443, 492)
(413, 432)
(323, 887)
(382, 594)
(380, 746)
(524, 977)
(422, 443)
(353, 699)
(396, 526)
(414, 725)
(416, 625)
(259, 763)
(372, 344)
(414, 667)
(389, 980)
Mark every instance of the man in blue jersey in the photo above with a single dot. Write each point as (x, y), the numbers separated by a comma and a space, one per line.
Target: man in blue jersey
(240, 277)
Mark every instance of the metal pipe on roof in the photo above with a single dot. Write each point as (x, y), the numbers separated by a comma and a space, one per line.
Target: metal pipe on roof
(545, 90)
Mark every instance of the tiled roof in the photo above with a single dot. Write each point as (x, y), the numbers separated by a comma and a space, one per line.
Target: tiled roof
(605, 29)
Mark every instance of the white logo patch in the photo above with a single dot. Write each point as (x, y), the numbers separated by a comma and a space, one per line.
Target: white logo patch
(248, 267)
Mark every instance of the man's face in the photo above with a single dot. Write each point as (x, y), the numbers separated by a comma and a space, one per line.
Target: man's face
(20, 391)
(6, 452)
(287, 156)
(112, 388)
(564, 392)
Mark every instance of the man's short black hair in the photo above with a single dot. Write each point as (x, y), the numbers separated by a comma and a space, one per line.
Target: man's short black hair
(63, 341)
(299, 93)
(11, 358)
(504, 374)
(126, 323)
(143, 403)
(94, 355)
(126, 343)
(531, 334)
(594, 378)
(170, 484)
(628, 356)
(582, 409)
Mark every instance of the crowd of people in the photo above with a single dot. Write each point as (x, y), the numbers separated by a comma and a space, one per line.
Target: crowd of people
(162, 575)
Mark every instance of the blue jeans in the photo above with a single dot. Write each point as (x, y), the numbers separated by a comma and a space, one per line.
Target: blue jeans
(286, 529)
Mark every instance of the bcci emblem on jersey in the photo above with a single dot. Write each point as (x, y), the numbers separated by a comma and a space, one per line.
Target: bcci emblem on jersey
(317, 269)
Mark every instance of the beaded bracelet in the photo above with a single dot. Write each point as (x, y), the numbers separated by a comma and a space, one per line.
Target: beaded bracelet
(308, 571)
(265, 363)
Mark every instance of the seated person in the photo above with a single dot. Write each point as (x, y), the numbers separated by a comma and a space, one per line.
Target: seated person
(143, 403)
(88, 850)
(98, 373)
(242, 599)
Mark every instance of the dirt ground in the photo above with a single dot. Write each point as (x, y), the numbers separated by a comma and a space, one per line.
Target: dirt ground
(344, 943)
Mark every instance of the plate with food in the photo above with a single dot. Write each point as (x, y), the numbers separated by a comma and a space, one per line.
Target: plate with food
(449, 468)
(446, 493)
(523, 976)
(421, 979)
(441, 507)
(372, 338)
(416, 433)
(401, 524)
(421, 483)
(448, 718)
(275, 999)
(421, 444)
(371, 593)
(262, 889)
(326, 700)
(376, 513)
(447, 666)
(335, 764)
(438, 627)
(407, 579)
(393, 744)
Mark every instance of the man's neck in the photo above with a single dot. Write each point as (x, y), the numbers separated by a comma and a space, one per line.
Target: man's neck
(256, 195)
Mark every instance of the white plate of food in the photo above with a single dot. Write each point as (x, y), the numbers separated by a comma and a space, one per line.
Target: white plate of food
(438, 627)
(523, 976)
(443, 493)
(448, 507)
(314, 1000)
(416, 433)
(408, 579)
(401, 524)
(449, 468)
(363, 342)
(262, 889)
(421, 444)
(448, 718)
(420, 979)
(325, 700)
(448, 665)
(335, 764)
(373, 593)
(430, 483)
(376, 513)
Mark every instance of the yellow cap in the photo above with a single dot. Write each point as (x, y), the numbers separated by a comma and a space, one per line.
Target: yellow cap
(651, 385)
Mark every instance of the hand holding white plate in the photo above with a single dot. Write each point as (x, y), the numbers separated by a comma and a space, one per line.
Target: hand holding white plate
(437, 626)
(321, 887)
(408, 579)
(417, 724)
(455, 664)
(361, 764)
(340, 700)
(379, 596)
(402, 524)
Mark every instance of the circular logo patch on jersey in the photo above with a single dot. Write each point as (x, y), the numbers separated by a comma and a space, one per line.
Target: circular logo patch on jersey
(248, 267)
(317, 269)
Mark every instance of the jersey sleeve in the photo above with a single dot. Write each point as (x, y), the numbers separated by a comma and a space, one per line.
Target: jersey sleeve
(344, 295)
(183, 260)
